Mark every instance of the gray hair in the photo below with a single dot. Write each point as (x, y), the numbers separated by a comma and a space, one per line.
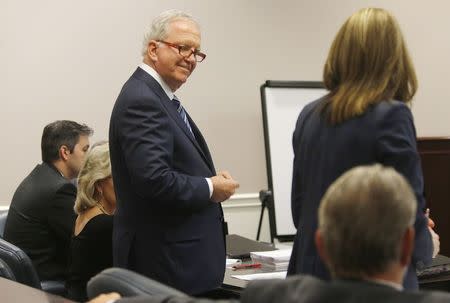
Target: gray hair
(362, 218)
(96, 167)
(158, 28)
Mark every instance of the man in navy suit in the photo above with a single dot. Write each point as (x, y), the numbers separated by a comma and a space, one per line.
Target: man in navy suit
(169, 222)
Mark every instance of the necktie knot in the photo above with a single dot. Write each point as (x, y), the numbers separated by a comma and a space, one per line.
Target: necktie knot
(178, 105)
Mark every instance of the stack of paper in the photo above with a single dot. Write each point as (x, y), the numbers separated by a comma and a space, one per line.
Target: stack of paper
(262, 276)
(276, 260)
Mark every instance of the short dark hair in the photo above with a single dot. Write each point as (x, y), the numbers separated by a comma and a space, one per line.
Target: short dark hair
(58, 133)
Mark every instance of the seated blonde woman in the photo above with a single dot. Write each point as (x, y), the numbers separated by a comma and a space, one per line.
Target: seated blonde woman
(91, 245)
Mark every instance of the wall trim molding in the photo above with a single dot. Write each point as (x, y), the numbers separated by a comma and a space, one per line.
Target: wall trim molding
(244, 196)
(242, 201)
(227, 205)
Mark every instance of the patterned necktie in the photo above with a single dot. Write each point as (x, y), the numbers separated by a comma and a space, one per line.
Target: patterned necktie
(182, 113)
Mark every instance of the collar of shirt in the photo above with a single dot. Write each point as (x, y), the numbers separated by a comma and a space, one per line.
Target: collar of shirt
(54, 167)
(387, 283)
(158, 78)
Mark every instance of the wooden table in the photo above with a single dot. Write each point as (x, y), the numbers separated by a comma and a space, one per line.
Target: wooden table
(13, 292)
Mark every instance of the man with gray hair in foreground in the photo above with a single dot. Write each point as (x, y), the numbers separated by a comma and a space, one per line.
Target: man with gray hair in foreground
(365, 237)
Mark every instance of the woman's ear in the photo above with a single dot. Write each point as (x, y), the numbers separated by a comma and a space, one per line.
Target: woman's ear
(98, 188)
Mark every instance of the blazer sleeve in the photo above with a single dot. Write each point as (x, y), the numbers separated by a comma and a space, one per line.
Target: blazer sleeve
(397, 148)
(296, 189)
(61, 216)
(147, 142)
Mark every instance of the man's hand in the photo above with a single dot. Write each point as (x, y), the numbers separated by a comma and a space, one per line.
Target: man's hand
(434, 235)
(105, 298)
(223, 186)
(436, 242)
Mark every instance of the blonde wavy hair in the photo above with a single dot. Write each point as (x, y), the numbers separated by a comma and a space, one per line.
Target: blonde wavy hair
(368, 62)
(96, 167)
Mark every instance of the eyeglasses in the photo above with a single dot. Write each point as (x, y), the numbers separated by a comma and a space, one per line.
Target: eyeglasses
(186, 51)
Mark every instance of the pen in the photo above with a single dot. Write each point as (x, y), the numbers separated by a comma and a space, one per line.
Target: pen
(247, 266)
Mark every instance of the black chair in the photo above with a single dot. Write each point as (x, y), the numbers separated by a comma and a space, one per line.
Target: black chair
(128, 283)
(3, 216)
(23, 269)
(5, 271)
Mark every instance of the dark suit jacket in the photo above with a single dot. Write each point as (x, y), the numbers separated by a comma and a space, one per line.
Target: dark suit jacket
(384, 134)
(165, 225)
(165, 299)
(307, 289)
(41, 219)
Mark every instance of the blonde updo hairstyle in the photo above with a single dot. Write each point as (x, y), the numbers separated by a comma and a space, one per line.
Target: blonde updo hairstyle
(96, 167)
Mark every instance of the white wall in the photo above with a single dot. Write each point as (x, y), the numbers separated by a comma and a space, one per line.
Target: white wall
(242, 215)
(62, 59)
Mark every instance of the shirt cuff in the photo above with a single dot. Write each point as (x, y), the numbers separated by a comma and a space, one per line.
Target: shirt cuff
(210, 185)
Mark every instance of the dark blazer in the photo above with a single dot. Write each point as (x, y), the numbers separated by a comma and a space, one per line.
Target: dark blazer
(41, 218)
(165, 225)
(171, 299)
(307, 289)
(384, 134)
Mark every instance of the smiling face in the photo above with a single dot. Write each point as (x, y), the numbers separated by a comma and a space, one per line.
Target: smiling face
(167, 61)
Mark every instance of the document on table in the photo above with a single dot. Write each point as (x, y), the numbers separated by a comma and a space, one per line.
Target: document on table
(274, 256)
(262, 276)
(231, 262)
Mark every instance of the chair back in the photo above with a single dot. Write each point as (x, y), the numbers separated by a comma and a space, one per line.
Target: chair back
(19, 263)
(5, 271)
(127, 283)
(3, 216)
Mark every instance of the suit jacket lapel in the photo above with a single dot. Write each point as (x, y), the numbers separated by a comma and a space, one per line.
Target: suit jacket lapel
(201, 143)
(176, 116)
(154, 85)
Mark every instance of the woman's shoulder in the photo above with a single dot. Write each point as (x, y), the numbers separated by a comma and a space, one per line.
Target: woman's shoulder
(98, 224)
(391, 105)
(311, 108)
(392, 110)
(314, 104)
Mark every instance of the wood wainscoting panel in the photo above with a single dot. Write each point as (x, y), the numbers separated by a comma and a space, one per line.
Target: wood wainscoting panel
(435, 156)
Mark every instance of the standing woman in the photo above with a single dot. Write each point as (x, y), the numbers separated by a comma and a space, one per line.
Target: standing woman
(91, 245)
(365, 118)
